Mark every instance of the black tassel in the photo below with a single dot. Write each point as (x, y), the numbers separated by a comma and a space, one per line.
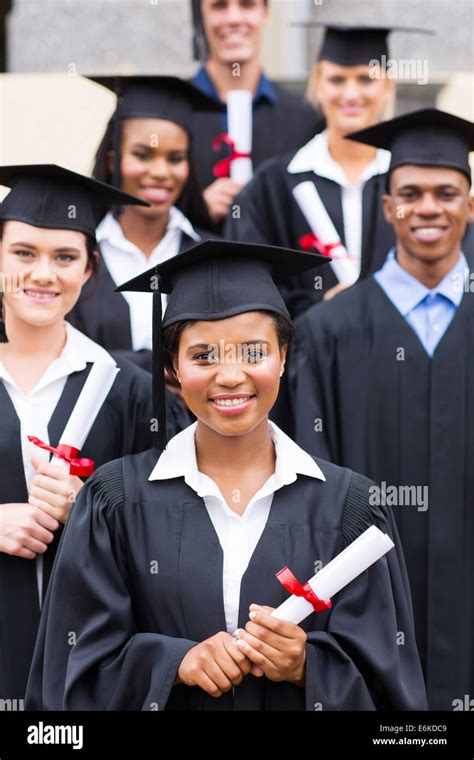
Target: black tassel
(3, 333)
(159, 388)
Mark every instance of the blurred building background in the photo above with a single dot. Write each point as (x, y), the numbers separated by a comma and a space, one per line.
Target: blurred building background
(49, 113)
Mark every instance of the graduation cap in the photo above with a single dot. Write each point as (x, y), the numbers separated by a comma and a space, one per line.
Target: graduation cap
(46, 195)
(424, 138)
(352, 45)
(213, 280)
(153, 97)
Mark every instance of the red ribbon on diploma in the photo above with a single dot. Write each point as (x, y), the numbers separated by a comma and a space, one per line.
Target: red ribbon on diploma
(222, 168)
(292, 584)
(310, 241)
(81, 467)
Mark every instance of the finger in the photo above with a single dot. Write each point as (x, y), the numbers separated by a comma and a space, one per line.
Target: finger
(40, 533)
(281, 627)
(45, 506)
(247, 641)
(43, 494)
(55, 485)
(271, 638)
(34, 545)
(238, 663)
(45, 520)
(256, 656)
(256, 671)
(264, 607)
(217, 676)
(208, 685)
(23, 553)
(55, 471)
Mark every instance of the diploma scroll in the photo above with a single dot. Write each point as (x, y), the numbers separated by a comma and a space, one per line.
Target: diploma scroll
(319, 221)
(369, 547)
(239, 128)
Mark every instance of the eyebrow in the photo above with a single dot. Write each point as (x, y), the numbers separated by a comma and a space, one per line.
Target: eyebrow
(446, 186)
(66, 249)
(241, 343)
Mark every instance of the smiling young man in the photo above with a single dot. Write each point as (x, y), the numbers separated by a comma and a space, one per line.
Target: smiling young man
(231, 31)
(381, 382)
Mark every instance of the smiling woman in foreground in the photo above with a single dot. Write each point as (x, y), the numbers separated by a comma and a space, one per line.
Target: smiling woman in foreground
(162, 562)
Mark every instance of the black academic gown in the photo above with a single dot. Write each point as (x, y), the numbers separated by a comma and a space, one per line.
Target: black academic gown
(269, 214)
(122, 426)
(366, 395)
(103, 314)
(134, 624)
(278, 128)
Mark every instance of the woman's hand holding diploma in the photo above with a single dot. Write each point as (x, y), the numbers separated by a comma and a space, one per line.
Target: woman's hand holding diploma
(53, 489)
(276, 647)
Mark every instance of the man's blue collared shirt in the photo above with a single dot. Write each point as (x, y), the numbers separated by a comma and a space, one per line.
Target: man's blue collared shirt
(428, 312)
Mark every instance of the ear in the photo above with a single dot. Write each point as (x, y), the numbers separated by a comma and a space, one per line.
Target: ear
(283, 354)
(470, 217)
(389, 211)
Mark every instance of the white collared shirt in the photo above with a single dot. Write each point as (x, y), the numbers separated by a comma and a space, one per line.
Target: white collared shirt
(315, 156)
(238, 534)
(35, 409)
(125, 260)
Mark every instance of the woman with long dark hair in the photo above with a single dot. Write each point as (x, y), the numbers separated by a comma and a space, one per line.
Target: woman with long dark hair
(146, 151)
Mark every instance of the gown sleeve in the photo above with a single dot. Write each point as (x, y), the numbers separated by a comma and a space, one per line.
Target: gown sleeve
(311, 384)
(367, 659)
(89, 654)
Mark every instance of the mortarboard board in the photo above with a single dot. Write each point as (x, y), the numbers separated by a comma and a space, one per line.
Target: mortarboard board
(352, 45)
(425, 138)
(215, 279)
(49, 196)
(153, 97)
(46, 195)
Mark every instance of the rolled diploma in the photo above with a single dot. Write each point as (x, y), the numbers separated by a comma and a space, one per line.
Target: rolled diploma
(319, 221)
(357, 557)
(239, 129)
(95, 391)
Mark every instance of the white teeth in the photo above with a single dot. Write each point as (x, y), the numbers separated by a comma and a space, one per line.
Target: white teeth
(230, 401)
(44, 296)
(428, 231)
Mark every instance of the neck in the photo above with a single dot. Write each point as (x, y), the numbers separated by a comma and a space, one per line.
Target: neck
(224, 79)
(28, 340)
(228, 454)
(353, 157)
(428, 273)
(144, 232)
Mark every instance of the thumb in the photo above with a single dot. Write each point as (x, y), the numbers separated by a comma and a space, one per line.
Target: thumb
(36, 462)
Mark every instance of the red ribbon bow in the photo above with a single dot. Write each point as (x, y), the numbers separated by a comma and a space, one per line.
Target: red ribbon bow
(81, 467)
(292, 584)
(222, 168)
(310, 241)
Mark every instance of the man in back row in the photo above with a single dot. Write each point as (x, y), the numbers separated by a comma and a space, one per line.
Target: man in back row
(230, 35)
(381, 381)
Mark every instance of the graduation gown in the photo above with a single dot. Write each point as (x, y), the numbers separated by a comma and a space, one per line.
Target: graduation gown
(122, 426)
(277, 129)
(134, 623)
(104, 315)
(269, 214)
(359, 375)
